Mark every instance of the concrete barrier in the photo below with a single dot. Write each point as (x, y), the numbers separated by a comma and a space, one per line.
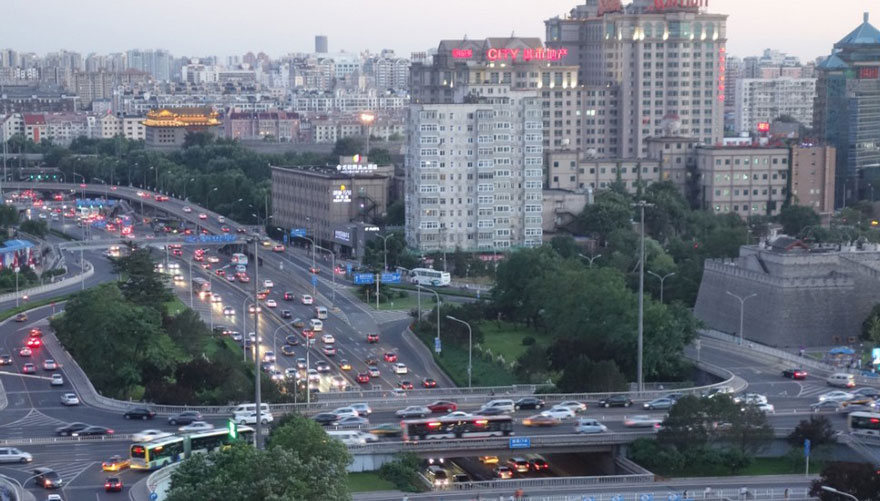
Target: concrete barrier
(41, 289)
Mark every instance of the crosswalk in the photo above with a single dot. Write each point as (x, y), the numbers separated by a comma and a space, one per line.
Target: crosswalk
(68, 469)
(33, 419)
(813, 390)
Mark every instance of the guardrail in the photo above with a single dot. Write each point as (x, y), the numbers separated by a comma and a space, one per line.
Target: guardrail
(159, 481)
(40, 289)
(567, 440)
(533, 483)
(15, 442)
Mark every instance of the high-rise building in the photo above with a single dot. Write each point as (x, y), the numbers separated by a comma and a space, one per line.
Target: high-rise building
(762, 100)
(321, 44)
(157, 63)
(661, 59)
(847, 109)
(812, 177)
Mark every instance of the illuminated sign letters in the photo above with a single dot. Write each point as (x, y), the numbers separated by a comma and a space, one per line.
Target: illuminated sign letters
(673, 4)
(539, 54)
(871, 72)
(342, 194)
(462, 53)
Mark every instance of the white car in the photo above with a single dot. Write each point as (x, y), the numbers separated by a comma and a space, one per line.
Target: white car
(229, 311)
(56, 380)
(49, 365)
(328, 339)
(751, 398)
(268, 284)
(642, 421)
(574, 405)
(307, 299)
(69, 399)
(314, 376)
(187, 209)
(767, 408)
(216, 298)
(270, 303)
(362, 409)
(399, 368)
(269, 356)
(251, 418)
(836, 396)
(147, 435)
(345, 412)
(561, 413)
(179, 278)
(589, 425)
(413, 411)
(458, 414)
(13, 455)
(221, 219)
(197, 426)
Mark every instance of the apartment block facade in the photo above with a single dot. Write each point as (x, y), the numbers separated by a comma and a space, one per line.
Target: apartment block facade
(747, 181)
(764, 100)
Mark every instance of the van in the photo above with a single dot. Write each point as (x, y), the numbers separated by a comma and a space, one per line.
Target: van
(841, 380)
(316, 325)
(437, 476)
(320, 312)
(251, 408)
(504, 405)
(348, 437)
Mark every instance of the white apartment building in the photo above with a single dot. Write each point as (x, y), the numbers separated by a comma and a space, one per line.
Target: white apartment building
(763, 100)
(474, 171)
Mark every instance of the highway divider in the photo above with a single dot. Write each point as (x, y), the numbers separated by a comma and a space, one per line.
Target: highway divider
(19, 442)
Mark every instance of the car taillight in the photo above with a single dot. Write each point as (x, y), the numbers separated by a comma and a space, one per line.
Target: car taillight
(110, 432)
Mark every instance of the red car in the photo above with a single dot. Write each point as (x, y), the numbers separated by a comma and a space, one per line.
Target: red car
(28, 368)
(161, 198)
(363, 378)
(224, 229)
(221, 273)
(34, 342)
(391, 357)
(288, 296)
(429, 382)
(406, 385)
(113, 484)
(372, 338)
(36, 332)
(308, 333)
(795, 373)
(314, 269)
(443, 406)
(177, 252)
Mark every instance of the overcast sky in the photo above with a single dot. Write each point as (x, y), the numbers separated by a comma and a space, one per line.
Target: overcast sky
(805, 28)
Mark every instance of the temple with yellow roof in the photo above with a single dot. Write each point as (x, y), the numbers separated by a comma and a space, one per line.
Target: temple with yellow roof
(167, 127)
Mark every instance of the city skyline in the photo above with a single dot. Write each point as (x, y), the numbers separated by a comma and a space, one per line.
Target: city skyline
(753, 26)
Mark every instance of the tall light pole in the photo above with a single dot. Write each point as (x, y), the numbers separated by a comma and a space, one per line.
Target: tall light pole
(190, 283)
(312, 271)
(333, 273)
(257, 371)
(838, 492)
(184, 186)
(590, 258)
(742, 304)
(385, 248)
(470, 345)
(662, 279)
(641, 204)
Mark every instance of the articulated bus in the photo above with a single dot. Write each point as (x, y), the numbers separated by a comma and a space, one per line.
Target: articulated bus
(864, 423)
(427, 276)
(201, 286)
(457, 427)
(164, 451)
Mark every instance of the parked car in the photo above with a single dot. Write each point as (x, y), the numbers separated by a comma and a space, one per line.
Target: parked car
(616, 401)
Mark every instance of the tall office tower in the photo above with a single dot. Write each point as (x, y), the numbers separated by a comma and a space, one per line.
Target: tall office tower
(662, 58)
(157, 63)
(476, 134)
(847, 110)
(321, 44)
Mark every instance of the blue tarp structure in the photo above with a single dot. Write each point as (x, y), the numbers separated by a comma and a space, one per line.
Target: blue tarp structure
(841, 350)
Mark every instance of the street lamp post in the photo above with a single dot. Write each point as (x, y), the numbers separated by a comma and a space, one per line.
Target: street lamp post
(333, 274)
(641, 204)
(470, 345)
(385, 248)
(662, 279)
(590, 258)
(742, 303)
(258, 374)
(184, 186)
(190, 283)
(244, 315)
(419, 289)
(312, 271)
(838, 492)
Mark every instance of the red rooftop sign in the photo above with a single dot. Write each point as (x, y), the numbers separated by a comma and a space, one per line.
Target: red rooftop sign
(539, 54)
(677, 4)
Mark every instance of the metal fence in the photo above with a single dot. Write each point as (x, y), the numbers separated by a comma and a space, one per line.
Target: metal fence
(649, 493)
(16, 442)
(535, 483)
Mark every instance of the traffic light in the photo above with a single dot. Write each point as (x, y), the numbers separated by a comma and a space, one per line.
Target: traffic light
(232, 427)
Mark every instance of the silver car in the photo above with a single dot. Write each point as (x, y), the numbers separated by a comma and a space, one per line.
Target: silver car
(659, 403)
(13, 455)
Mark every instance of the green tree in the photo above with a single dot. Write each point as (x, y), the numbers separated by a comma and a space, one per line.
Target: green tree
(520, 283)
(395, 215)
(244, 473)
(532, 366)
(8, 216)
(35, 227)
(610, 211)
(565, 246)
(795, 218)
(871, 325)
(193, 139)
(817, 430)
(143, 285)
(403, 472)
(858, 479)
(348, 146)
(379, 156)
(307, 439)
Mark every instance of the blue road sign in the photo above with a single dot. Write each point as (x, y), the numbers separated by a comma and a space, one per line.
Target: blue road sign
(298, 232)
(437, 346)
(348, 268)
(806, 447)
(286, 238)
(618, 497)
(211, 239)
(391, 278)
(587, 498)
(364, 278)
(646, 497)
(154, 496)
(674, 497)
(520, 443)
(314, 280)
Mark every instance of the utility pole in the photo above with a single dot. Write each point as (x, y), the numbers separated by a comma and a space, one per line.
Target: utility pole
(641, 204)
(742, 304)
(258, 373)
(662, 279)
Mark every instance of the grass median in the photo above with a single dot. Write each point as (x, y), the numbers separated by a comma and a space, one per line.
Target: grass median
(368, 481)
(454, 361)
(29, 305)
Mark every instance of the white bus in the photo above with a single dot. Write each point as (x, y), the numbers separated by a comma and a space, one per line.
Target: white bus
(239, 259)
(427, 276)
(864, 423)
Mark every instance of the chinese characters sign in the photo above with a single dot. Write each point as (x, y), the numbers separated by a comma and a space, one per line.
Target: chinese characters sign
(342, 194)
(539, 54)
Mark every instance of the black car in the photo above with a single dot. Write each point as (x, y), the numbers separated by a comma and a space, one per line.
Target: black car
(529, 403)
(139, 413)
(67, 429)
(292, 340)
(185, 417)
(326, 418)
(113, 484)
(47, 478)
(286, 314)
(92, 431)
(5, 360)
(491, 411)
(220, 330)
(616, 401)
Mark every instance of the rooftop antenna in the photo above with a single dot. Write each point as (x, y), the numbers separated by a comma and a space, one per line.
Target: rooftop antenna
(512, 34)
